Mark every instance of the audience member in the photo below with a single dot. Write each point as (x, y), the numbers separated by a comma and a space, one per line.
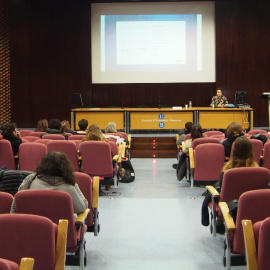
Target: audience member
(196, 132)
(219, 101)
(10, 133)
(242, 156)
(234, 130)
(111, 128)
(42, 125)
(55, 128)
(94, 134)
(83, 125)
(65, 127)
(184, 132)
(55, 172)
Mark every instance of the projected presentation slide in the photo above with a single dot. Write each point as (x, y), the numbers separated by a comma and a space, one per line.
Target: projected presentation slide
(135, 47)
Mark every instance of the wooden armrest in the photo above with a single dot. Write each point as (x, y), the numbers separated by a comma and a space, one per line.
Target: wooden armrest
(213, 191)
(123, 149)
(95, 191)
(191, 158)
(116, 157)
(16, 156)
(250, 246)
(82, 216)
(27, 264)
(61, 244)
(226, 215)
(129, 140)
(177, 137)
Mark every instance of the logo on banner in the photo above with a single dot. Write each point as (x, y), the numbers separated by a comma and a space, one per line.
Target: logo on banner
(161, 125)
(161, 116)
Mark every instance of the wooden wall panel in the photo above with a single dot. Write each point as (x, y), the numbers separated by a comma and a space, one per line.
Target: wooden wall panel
(51, 60)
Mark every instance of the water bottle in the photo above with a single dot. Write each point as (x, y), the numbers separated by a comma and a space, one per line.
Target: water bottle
(190, 104)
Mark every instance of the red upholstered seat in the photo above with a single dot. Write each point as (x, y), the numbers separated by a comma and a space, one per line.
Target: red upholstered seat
(76, 137)
(210, 133)
(31, 236)
(6, 155)
(53, 137)
(199, 141)
(255, 131)
(36, 134)
(5, 202)
(67, 147)
(30, 155)
(30, 138)
(25, 132)
(266, 156)
(257, 146)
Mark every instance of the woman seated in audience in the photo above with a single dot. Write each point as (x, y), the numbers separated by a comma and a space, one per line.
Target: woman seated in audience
(94, 134)
(111, 128)
(10, 133)
(55, 172)
(242, 156)
(196, 132)
(42, 125)
(234, 130)
(184, 132)
(65, 127)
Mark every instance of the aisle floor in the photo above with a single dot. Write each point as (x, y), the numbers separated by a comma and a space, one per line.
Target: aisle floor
(153, 224)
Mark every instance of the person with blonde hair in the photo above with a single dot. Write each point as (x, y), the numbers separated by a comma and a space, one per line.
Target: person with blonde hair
(42, 125)
(242, 156)
(234, 130)
(65, 127)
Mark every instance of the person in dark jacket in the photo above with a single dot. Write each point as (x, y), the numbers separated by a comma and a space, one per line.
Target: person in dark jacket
(10, 133)
(55, 128)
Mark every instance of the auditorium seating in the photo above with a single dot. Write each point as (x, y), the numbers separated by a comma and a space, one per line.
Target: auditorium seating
(34, 236)
(253, 205)
(6, 155)
(56, 205)
(25, 132)
(26, 264)
(235, 182)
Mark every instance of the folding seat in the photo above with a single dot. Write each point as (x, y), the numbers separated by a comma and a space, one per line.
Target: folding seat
(1, 136)
(67, 147)
(257, 146)
(25, 132)
(33, 236)
(211, 133)
(30, 155)
(235, 182)
(6, 200)
(266, 156)
(30, 138)
(114, 148)
(203, 140)
(36, 133)
(6, 155)
(77, 142)
(257, 244)
(55, 205)
(252, 205)
(76, 137)
(53, 137)
(43, 141)
(255, 131)
(97, 161)
(90, 188)
(26, 264)
(206, 162)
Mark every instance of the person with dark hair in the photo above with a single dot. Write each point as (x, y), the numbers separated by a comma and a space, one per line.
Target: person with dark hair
(234, 130)
(55, 172)
(83, 125)
(242, 156)
(196, 132)
(55, 128)
(219, 101)
(184, 132)
(42, 125)
(10, 133)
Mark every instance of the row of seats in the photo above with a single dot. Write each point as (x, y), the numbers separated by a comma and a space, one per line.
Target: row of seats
(54, 205)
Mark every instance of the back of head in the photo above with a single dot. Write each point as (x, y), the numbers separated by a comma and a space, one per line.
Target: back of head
(56, 163)
(188, 126)
(234, 129)
(83, 124)
(55, 124)
(94, 134)
(111, 128)
(42, 125)
(65, 125)
(8, 129)
(196, 131)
